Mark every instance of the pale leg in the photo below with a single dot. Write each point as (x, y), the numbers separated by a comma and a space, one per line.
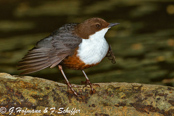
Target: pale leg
(68, 83)
(87, 82)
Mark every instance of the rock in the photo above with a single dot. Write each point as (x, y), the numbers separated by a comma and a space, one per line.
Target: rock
(26, 95)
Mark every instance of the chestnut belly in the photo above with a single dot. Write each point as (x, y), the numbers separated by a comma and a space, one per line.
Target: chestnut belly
(74, 62)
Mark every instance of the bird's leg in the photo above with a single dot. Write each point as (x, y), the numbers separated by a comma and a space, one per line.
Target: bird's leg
(87, 82)
(68, 83)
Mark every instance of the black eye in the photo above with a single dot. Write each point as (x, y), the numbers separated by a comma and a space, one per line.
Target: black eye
(98, 26)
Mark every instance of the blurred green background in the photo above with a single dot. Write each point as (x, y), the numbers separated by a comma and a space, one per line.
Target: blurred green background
(143, 42)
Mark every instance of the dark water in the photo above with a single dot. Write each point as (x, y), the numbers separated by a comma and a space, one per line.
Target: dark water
(143, 42)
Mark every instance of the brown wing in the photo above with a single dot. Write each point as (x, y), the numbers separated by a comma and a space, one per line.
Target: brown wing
(110, 55)
(50, 51)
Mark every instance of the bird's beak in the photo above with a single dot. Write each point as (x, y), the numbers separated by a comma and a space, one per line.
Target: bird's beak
(113, 24)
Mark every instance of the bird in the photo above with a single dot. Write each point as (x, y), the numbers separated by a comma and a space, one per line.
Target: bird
(76, 46)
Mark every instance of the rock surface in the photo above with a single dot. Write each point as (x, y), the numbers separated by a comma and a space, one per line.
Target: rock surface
(26, 95)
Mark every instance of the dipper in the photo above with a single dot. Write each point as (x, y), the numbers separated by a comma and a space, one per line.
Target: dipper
(75, 46)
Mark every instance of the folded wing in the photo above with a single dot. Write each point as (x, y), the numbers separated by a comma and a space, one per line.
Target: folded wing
(50, 51)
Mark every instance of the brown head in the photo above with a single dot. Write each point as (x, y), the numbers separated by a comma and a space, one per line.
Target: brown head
(92, 25)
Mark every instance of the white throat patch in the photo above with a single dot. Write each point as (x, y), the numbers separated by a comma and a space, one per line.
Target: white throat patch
(94, 49)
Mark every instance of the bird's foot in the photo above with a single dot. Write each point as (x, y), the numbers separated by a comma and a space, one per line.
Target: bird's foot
(72, 90)
(87, 82)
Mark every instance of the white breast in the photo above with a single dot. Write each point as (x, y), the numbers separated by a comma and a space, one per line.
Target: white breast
(94, 49)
